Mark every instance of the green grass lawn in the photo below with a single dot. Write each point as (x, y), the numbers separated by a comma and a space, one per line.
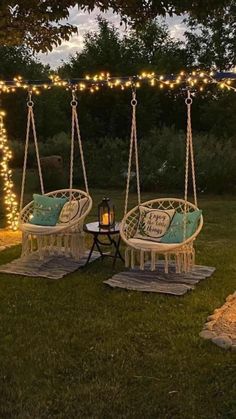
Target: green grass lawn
(74, 348)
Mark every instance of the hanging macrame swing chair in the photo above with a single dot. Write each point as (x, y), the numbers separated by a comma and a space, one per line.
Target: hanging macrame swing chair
(65, 238)
(179, 254)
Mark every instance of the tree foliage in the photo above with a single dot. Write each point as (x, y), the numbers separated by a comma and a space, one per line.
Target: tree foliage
(150, 47)
(213, 43)
(20, 60)
(38, 23)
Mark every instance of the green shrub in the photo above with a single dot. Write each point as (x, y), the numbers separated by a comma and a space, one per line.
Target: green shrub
(162, 162)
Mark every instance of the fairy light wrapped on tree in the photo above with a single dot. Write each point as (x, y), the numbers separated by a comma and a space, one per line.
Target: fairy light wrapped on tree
(10, 200)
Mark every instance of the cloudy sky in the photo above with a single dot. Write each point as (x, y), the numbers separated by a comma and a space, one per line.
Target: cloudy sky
(87, 22)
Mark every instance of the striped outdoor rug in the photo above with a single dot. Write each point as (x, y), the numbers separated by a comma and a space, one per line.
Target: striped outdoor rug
(53, 267)
(158, 281)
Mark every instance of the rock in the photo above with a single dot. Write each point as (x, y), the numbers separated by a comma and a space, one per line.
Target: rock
(222, 341)
(209, 325)
(2, 248)
(230, 297)
(212, 317)
(207, 334)
(217, 311)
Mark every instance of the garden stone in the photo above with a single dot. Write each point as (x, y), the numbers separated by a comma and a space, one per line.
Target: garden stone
(212, 317)
(210, 325)
(207, 334)
(223, 326)
(222, 341)
(230, 298)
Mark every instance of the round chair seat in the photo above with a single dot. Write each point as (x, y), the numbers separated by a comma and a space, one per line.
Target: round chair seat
(183, 252)
(63, 238)
(149, 245)
(129, 223)
(38, 229)
(74, 194)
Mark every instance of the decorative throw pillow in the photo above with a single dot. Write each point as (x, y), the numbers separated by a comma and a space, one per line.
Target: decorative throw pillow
(175, 233)
(83, 202)
(71, 210)
(46, 210)
(153, 223)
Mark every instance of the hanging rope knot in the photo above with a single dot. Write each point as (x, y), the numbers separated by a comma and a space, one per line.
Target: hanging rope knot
(30, 102)
(189, 100)
(134, 101)
(74, 101)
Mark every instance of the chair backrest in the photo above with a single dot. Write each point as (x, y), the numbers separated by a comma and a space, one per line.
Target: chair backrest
(75, 194)
(130, 221)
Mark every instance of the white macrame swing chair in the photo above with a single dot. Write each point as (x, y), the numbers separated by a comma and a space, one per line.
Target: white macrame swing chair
(182, 255)
(67, 238)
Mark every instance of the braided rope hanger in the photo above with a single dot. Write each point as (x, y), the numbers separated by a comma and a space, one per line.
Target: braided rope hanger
(189, 156)
(189, 152)
(133, 145)
(75, 129)
(30, 123)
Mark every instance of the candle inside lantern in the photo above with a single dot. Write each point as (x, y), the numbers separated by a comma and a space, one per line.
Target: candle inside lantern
(105, 218)
(106, 213)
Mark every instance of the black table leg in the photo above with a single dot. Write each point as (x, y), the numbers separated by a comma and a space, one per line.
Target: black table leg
(97, 243)
(91, 251)
(117, 253)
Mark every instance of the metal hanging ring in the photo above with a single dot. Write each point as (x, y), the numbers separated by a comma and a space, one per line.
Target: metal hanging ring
(30, 103)
(74, 103)
(189, 101)
(134, 102)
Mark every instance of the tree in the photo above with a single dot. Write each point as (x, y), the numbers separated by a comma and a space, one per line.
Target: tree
(20, 60)
(37, 23)
(149, 48)
(213, 44)
(101, 51)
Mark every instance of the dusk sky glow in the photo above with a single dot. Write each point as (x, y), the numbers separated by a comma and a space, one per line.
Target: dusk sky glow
(87, 22)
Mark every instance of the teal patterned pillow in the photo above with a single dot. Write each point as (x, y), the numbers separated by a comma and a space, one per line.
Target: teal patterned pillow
(175, 233)
(46, 210)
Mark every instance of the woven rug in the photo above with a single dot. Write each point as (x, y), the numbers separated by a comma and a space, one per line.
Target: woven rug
(158, 281)
(53, 267)
(221, 325)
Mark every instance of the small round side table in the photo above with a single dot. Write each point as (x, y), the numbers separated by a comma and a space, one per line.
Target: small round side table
(112, 235)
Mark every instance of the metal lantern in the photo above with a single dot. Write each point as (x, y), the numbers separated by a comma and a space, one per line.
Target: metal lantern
(106, 213)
